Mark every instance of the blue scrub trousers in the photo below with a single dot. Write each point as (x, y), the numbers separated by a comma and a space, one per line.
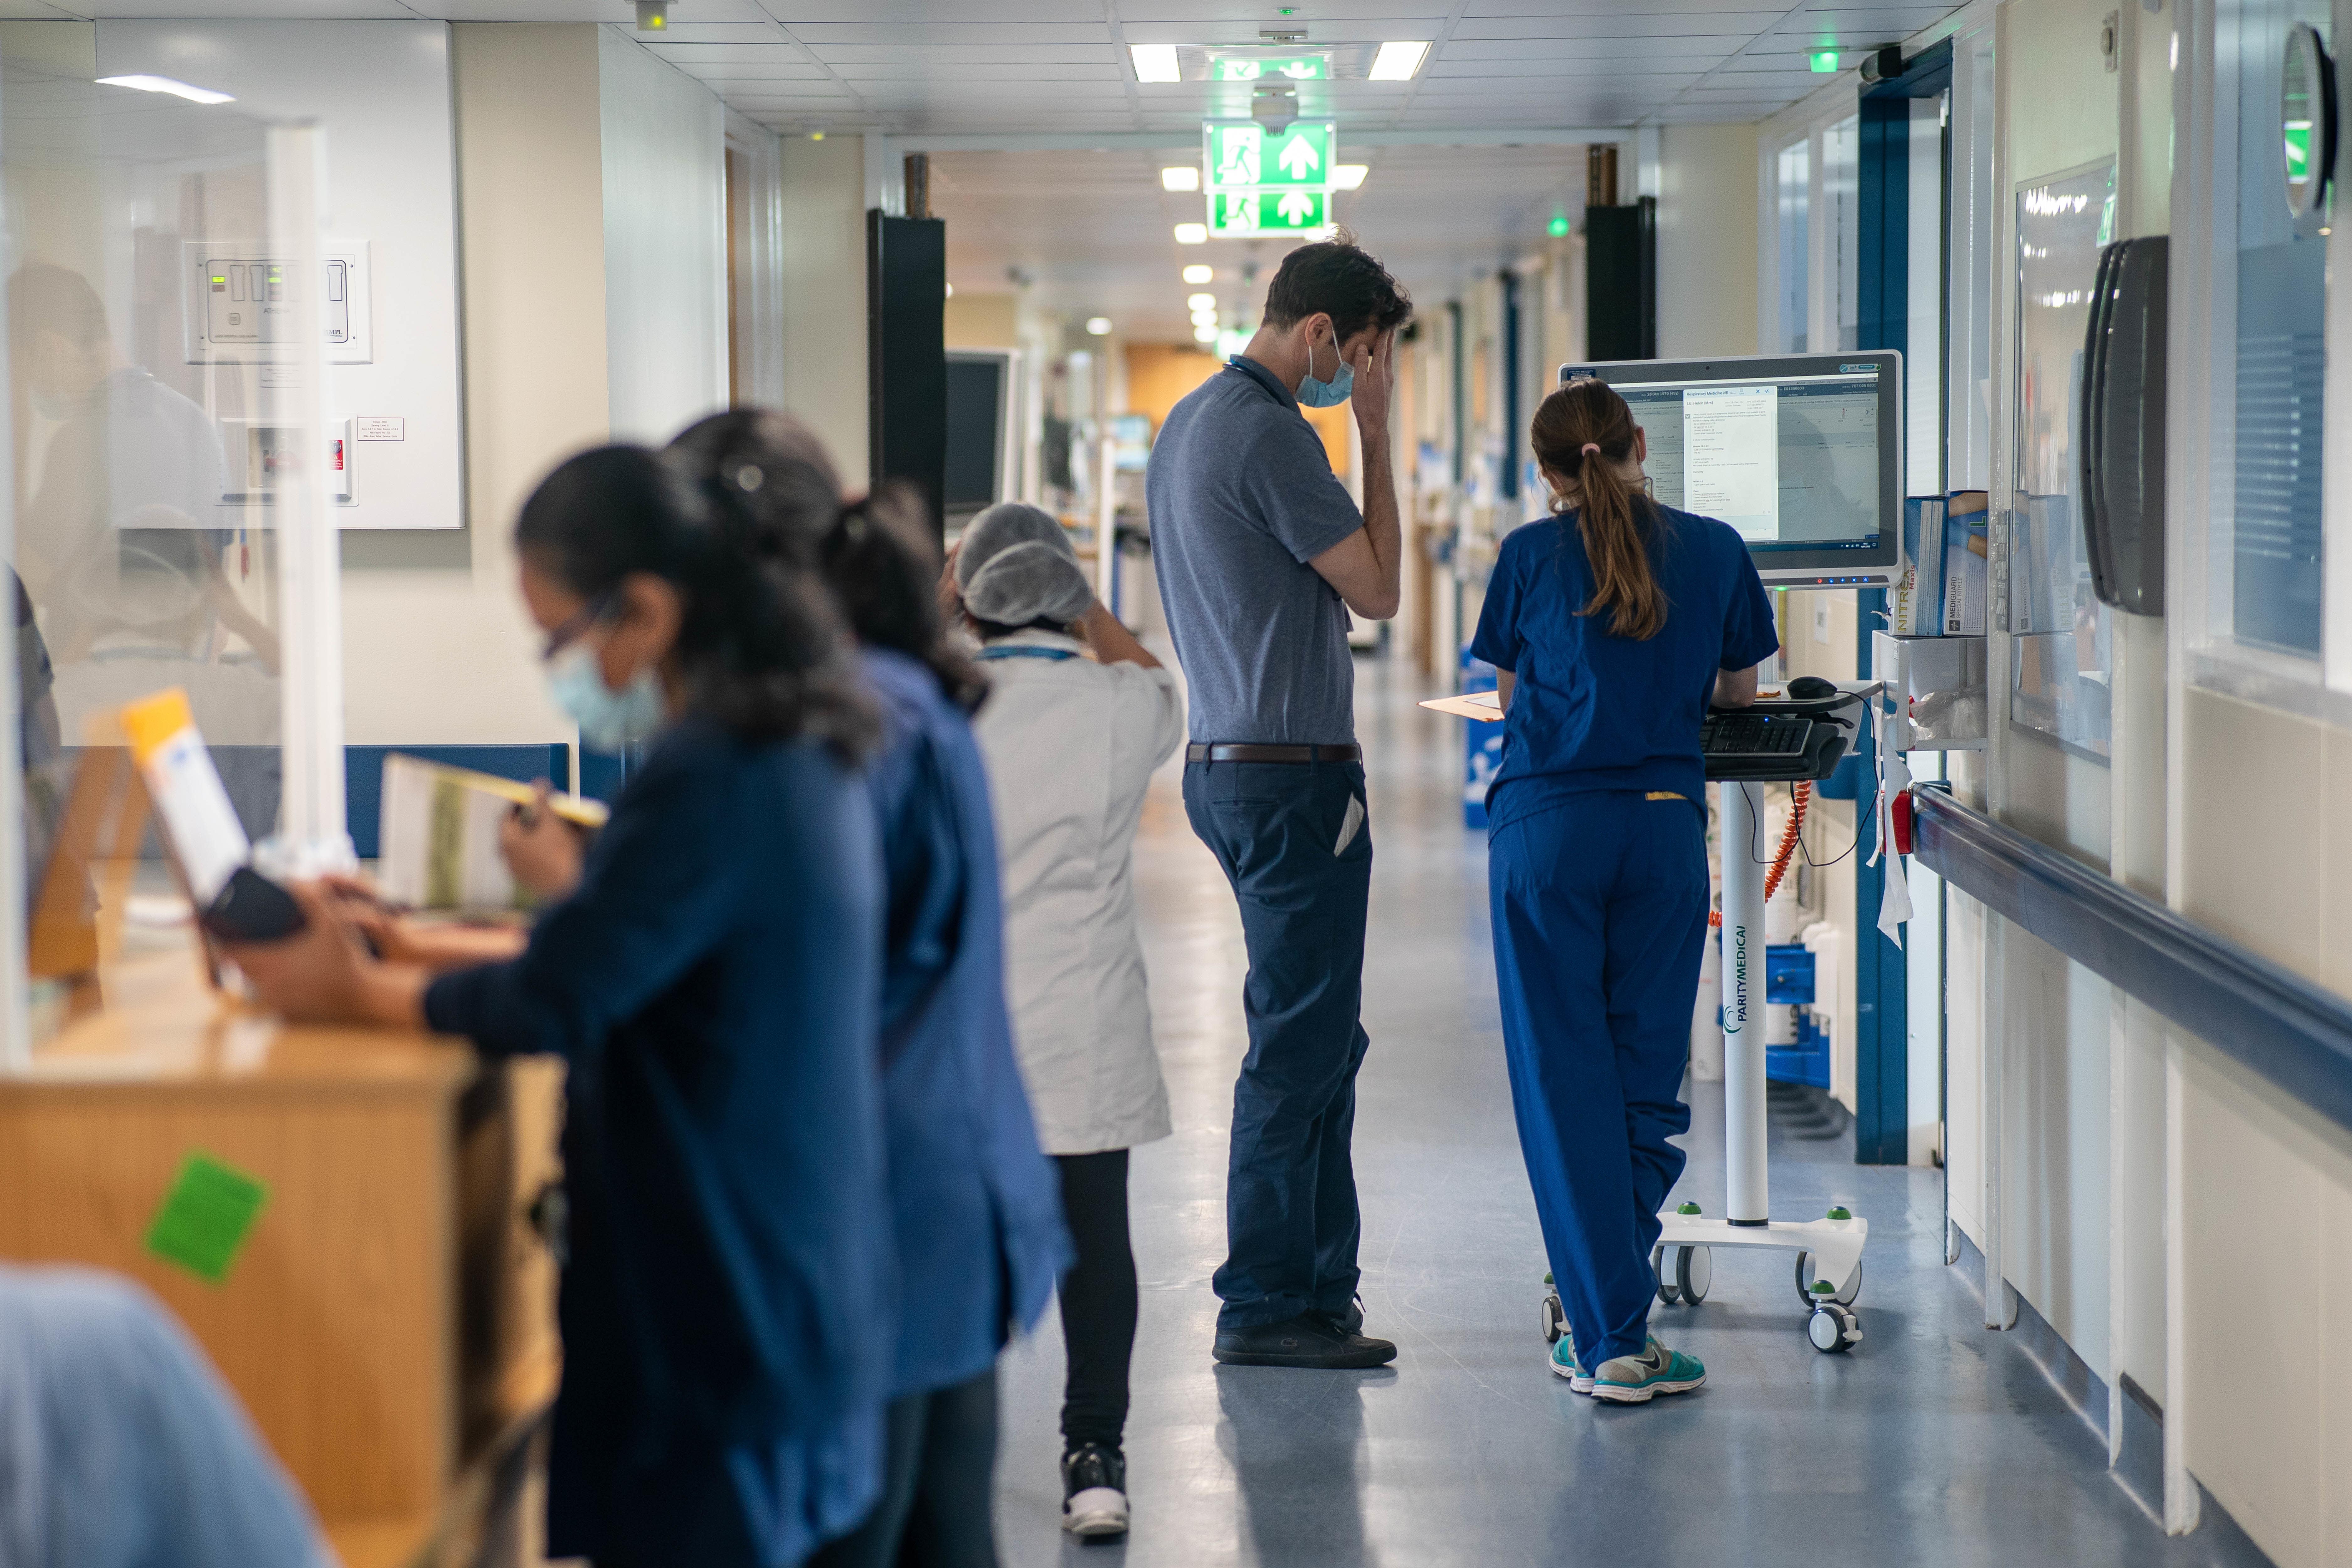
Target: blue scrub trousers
(1599, 914)
(1291, 1221)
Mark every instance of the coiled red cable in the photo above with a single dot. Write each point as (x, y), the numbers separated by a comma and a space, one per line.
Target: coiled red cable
(1803, 793)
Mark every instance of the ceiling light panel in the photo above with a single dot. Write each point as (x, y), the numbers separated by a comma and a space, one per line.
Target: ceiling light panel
(1398, 61)
(1156, 62)
(1180, 177)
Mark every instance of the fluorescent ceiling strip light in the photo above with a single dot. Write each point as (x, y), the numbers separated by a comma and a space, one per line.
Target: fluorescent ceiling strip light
(1398, 61)
(165, 84)
(1349, 176)
(1181, 177)
(1156, 62)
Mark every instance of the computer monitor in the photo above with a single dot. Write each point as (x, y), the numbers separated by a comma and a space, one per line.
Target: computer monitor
(983, 454)
(1801, 453)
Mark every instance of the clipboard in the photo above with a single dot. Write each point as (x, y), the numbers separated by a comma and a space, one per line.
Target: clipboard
(1483, 706)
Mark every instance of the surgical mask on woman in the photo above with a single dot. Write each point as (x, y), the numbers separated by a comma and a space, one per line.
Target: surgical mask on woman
(608, 719)
(1316, 393)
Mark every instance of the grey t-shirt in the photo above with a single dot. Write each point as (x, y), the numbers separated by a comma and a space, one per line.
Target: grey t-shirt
(1241, 497)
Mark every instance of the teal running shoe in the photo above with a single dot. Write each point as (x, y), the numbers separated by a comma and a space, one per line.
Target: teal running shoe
(1565, 1364)
(1633, 1379)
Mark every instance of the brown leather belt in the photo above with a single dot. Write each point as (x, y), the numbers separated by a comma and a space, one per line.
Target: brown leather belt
(1247, 752)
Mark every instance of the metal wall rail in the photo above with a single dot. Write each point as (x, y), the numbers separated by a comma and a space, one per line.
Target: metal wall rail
(2295, 1034)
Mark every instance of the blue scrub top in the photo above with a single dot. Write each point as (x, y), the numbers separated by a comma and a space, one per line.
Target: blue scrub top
(978, 1210)
(1592, 710)
(726, 1305)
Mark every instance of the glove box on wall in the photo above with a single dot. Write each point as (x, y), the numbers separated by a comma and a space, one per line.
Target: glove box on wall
(258, 453)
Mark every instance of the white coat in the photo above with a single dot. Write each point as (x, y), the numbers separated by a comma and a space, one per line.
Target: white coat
(1071, 745)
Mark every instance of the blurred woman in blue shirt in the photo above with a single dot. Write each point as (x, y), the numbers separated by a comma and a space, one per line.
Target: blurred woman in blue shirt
(1612, 627)
(726, 1306)
(974, 1204)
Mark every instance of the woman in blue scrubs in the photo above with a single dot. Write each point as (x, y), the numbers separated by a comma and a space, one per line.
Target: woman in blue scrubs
(1612, 627)
(712, 983)
(976, 1205)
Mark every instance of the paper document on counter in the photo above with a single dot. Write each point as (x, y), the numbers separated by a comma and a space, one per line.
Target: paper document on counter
(439, 834)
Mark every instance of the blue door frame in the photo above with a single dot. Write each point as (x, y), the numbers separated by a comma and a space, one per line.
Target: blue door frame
(1882, 1110)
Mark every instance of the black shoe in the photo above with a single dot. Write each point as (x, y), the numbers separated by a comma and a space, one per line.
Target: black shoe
(1353, 1319)
(1094, 1492)
(1311, 1339)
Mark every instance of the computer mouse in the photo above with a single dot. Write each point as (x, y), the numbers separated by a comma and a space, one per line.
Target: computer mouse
(1812, 688)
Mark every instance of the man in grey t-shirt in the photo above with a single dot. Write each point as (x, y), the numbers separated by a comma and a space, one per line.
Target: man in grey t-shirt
(1261, 554)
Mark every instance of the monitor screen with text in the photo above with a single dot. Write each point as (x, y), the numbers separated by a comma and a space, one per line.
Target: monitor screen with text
(1800, 454)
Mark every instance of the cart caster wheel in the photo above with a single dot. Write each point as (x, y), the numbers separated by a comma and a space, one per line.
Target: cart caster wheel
(1832, 1328)
(1808, 1296)
(1693, 1271)
(1554, 1319)
(1661, 1269)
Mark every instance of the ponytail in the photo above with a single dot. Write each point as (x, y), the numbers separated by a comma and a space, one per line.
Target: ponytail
(884, 569)
(1588, 420)
(759, 650)
(876, 556)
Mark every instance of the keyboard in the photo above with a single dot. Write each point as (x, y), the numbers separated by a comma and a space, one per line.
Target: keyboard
(1754, 735)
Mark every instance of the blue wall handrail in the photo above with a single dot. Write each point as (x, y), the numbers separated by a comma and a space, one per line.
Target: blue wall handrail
(2296, 1035)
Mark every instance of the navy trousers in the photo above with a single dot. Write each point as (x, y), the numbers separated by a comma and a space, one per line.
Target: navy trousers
(1599, 913)
(1303, 876)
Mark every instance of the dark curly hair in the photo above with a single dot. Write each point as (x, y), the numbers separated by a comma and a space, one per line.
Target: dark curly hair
(761, 649)
(1338, 276)
(877, 555)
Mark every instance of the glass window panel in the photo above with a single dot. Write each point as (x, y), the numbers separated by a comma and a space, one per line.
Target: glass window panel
(2063, 654)
(1793, 178)
(1842, 194)
(2272, 583)
(144, 445)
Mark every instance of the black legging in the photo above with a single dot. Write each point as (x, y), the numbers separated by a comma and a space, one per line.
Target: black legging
(939, 1486)
(1098, 1298)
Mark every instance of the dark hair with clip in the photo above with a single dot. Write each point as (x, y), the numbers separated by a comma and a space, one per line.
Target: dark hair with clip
(876, 554)
(761, 649)
(1583, 420)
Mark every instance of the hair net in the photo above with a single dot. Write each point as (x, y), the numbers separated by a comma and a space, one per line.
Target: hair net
(1015, 565)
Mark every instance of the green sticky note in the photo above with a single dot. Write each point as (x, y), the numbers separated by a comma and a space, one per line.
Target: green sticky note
(206, 1216)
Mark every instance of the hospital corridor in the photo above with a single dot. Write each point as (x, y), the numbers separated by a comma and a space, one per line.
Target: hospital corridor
(1201, 784)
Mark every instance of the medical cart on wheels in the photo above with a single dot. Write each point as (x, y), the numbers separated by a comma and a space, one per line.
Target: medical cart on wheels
(1796, 739)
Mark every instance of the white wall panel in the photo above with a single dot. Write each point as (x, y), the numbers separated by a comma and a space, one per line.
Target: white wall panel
(665, 142)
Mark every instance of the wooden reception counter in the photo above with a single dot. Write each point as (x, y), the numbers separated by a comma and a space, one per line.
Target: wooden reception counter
(388, 1319)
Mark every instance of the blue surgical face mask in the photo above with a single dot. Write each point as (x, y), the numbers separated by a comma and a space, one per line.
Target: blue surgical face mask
(1316, 394)
(608, 719)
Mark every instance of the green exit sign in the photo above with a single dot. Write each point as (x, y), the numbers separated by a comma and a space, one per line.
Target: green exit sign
(1241, 155)
(1262, 68)
(1244, 215)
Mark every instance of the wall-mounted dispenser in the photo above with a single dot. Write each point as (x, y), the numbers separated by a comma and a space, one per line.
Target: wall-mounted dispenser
(2122, 438)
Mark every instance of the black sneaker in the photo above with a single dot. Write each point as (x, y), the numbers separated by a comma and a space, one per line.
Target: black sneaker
(1311, 1339)
(1094, 1492)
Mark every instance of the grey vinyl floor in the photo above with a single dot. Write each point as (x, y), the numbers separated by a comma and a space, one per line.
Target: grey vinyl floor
(1932, 1442)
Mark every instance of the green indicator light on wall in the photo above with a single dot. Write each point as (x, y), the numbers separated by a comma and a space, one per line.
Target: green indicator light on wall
(1824, 62)
(1559, 224)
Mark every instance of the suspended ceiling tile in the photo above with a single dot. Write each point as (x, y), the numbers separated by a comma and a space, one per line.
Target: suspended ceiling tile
(795, 12)
(1642, 71)
(1344, 13)
(966, 54)
(1320, 33)
(968, 70)
(951, 35)
(722, 72)
(684, 55)
(250, 10)
(1702, 45)
(1744, 25)
(1568, 10)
